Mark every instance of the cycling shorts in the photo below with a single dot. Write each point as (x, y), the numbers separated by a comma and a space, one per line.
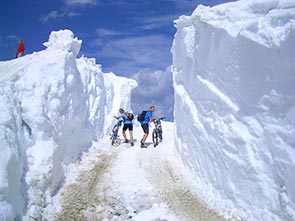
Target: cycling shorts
(128, 126)
(145, 128)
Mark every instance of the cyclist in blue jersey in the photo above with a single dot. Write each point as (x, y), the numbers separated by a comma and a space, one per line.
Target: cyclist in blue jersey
(128, 124)
(145, 125)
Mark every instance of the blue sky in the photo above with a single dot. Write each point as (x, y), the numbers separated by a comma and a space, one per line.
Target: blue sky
(126, 37)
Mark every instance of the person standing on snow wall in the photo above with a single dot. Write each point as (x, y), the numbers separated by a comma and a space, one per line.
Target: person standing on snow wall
(20, 49)
(127, 125)
(145, 125)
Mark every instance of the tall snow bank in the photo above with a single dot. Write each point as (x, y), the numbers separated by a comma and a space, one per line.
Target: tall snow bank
(53, 106)
(65, 42)
(11, 157)
(233, 68)
(93, 81)
(118, 90)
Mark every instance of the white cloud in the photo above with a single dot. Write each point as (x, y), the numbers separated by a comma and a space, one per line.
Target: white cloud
(126, 3)
(53, 15)
(154, 88)
(58, 14)
(150, 23)
(68, 10)
(186, 4)
(123, 68)
(143, 50)
(103, 32)
(81, 2)
(71, 14)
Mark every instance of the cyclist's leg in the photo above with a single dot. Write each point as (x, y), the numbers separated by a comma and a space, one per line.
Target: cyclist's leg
(131, 134)
(144, 137)
(145, 128)
(124, 132)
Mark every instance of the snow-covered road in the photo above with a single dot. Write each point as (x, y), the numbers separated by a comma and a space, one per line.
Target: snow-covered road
(129, 183)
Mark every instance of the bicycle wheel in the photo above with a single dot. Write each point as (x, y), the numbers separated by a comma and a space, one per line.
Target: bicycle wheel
(160, 135)
(155, 137)
(114, 135)
(116, 142)
(112, 140)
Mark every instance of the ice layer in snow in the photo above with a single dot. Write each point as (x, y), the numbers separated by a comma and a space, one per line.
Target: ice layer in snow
(234, 79)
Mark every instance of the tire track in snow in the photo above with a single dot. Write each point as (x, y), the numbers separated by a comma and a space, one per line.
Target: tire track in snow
(167, 177)
(178, 197)
(79, 195)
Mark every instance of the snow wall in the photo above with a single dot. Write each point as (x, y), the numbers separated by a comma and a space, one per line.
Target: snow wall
(53, 105)
(234, 77)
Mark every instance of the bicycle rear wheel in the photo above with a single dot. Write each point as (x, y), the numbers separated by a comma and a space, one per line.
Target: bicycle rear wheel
(116, 142)
(155, 137)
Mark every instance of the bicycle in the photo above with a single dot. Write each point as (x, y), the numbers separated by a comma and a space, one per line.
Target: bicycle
(157, 134)
(115, 141)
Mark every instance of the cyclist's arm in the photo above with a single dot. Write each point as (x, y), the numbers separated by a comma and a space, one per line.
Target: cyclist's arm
(148, 116)
(122, 116)
(117, 117)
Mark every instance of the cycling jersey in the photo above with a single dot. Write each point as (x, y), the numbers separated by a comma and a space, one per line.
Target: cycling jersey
(147, 117)
(125, 119)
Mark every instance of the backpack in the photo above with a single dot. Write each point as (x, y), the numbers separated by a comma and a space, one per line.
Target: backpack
(141, 116)
(130, 116)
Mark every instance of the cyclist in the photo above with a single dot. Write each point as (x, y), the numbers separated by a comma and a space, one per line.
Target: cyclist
(145, 125)
(128, 124)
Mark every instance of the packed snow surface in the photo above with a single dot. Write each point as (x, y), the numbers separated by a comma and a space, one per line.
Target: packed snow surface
(130, 183)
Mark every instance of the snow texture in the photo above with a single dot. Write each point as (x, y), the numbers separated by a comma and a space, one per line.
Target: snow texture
(233, 68)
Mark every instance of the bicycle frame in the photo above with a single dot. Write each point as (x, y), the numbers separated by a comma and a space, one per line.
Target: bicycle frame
(115, 141)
